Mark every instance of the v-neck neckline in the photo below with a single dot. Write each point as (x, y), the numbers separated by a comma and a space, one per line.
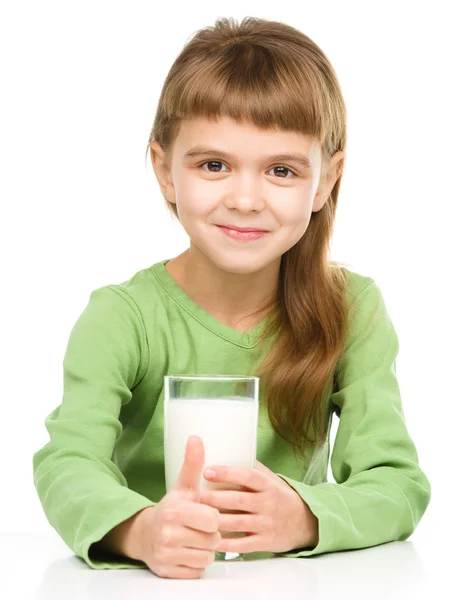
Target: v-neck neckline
(245, 339)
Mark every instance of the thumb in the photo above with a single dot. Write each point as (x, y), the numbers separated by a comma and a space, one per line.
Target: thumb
(261, 467)
(194, 460)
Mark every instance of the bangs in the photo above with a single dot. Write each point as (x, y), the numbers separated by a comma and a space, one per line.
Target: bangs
(249, 83)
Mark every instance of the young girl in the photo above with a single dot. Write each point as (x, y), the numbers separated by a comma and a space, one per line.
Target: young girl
(249, 133)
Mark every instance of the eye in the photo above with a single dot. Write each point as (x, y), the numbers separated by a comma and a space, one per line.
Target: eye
(286, 168)
(212, 162)
(218, 162)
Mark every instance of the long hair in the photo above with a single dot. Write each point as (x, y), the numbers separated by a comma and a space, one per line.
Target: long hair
(275, 77)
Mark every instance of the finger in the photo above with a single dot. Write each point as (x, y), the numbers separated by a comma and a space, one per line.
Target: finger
(200, 540)
(247, 523)
(191, 557)
(191, 470)
(198, 516)
(261, 467)
(176, 572)
(230, 500)
(246, 476)
(249, 543)
(188, 537)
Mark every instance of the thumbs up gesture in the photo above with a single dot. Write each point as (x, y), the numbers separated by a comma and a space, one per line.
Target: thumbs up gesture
(179, 535)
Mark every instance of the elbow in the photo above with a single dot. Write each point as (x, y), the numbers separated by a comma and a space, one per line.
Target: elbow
(419, 497)
(423, 495)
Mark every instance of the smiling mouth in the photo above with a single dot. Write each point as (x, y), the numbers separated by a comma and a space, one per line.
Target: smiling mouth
(242, 235)
(245, 229)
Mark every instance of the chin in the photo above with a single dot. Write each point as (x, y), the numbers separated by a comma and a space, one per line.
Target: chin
(241, 269)
(238, 265)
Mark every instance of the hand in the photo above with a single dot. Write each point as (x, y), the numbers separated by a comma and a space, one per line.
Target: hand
(275, 517)
(177, 537)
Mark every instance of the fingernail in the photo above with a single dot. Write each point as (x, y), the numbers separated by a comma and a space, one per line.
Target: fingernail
(210, 473)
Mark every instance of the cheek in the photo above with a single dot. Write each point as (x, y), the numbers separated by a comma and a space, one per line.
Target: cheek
(295, 223)
(294, 215)
(193, 200)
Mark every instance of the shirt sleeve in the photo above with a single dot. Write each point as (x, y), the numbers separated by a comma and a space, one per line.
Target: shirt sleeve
(82, 492)
(380, 492)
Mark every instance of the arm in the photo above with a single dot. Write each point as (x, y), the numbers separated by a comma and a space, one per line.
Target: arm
(380, 492)
(83, 493)
(121, 540)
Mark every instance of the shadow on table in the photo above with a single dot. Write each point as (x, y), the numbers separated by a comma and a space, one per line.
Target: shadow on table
(387, 571)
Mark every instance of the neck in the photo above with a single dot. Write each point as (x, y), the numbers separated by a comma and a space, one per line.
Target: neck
(233, 298)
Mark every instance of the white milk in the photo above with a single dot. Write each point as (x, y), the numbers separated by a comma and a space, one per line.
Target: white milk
(228, 428)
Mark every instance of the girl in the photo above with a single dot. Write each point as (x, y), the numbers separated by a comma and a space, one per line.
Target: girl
(249, 134)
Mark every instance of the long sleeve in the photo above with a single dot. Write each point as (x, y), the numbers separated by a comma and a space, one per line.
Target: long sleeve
(82, 492)
(380, 493)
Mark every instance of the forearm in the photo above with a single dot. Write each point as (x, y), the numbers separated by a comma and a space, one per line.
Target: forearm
(123, 539)
(306, 529)
(309, 531)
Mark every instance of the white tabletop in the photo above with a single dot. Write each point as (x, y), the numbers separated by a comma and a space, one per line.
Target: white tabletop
(42, 567)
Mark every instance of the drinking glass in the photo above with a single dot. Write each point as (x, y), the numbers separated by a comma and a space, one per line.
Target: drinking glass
(223, 411)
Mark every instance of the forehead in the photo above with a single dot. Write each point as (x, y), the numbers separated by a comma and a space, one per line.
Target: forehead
(234, 137)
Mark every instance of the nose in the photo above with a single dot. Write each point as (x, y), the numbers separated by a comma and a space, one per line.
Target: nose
(245, 196)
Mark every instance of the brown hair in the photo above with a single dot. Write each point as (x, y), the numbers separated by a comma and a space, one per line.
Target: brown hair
(275, 77)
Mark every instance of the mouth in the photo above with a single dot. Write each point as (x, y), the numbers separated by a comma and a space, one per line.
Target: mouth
(237, 228)
(247, 235)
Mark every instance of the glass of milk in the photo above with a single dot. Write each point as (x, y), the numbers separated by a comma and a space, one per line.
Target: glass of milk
(223, 411)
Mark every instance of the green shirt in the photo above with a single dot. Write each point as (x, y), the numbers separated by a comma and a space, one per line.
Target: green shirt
(105, 458)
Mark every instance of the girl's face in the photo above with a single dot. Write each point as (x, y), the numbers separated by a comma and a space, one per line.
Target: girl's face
(241, 183)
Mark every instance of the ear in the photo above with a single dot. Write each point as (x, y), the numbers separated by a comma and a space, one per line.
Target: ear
(162, 171)
(325, 187)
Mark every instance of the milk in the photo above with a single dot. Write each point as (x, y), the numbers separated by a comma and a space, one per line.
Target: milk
(227, 427)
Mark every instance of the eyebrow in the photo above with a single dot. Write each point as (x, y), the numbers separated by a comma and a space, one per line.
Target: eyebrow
(209, 151)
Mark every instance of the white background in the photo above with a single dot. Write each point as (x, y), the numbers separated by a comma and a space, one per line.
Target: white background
(80, 209)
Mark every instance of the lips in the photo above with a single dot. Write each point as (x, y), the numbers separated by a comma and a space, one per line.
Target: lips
(242, 236)
(244, 229)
